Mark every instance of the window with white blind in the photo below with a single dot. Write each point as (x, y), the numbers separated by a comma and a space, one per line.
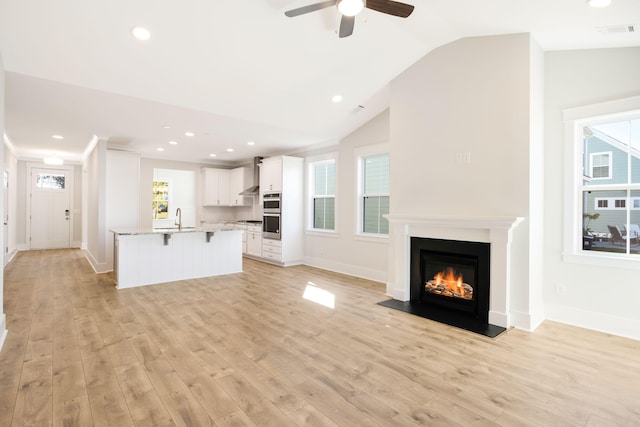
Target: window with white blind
(374, 194)
(322, 178)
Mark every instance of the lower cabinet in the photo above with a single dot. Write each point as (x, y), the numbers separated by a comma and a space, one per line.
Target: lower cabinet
(254, 241)
(272, 249)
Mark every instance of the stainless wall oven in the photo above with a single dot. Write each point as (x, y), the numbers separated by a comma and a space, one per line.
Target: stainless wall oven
(271, 202)
(271, 226)
(271, 216)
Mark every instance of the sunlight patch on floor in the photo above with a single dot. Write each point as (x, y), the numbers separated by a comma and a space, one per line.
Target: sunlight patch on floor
(319, 296)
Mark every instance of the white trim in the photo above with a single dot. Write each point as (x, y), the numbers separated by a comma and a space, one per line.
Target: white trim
(575, 119)
(359, 154)
(70, 187)
(373, 238)
(620, 326)
(310, 163)
(349, 269)
(322, 233)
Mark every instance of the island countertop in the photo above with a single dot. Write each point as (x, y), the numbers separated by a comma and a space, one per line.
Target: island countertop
(146, 256)
(148, 230)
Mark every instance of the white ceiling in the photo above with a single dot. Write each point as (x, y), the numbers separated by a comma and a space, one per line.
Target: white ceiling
(237, 71)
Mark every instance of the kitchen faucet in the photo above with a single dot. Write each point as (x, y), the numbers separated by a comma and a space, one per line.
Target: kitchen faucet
(179, 223)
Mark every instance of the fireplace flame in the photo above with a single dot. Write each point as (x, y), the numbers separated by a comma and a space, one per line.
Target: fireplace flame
(449, 283)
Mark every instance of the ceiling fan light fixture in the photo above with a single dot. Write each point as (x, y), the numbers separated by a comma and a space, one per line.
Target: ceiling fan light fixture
(350, 7)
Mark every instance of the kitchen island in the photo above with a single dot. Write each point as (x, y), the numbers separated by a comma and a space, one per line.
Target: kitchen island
(150, 256)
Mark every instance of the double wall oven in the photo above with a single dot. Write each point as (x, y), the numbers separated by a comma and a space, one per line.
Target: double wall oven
(271, 216)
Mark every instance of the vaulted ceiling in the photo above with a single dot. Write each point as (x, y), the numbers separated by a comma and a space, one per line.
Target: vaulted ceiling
(234, 72)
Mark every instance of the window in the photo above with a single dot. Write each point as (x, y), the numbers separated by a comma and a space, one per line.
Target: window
(375, 194)
(50, 181)
(322, 180)
(605, 209)
(600, 165)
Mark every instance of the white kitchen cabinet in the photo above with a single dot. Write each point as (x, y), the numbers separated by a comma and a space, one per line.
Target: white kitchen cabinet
(239, 180)
(271, 174)
(216, 187)
(272, 249)
(285, 174)
(254, 241)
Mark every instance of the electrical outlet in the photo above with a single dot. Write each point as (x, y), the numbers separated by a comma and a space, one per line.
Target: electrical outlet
(561, 289)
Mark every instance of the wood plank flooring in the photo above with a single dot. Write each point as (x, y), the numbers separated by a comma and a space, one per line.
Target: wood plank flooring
(247, 349)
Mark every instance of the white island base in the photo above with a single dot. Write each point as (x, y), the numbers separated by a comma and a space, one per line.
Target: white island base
(156, 257)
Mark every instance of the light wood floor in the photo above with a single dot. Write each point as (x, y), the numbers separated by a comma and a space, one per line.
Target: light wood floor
(247, 349)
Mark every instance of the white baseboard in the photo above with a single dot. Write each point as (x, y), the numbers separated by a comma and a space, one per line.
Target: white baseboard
(524, 321)
(10, 256)
(98, 267)
(3, 330)
(348, 269)
(614, 325)
(76, 244)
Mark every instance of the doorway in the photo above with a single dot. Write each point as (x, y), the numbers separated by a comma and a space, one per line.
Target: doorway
(50, 207)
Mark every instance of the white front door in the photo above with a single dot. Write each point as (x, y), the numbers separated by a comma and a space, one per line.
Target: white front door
(50, 208)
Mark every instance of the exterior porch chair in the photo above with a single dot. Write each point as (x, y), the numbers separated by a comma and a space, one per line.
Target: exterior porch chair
(616, 234)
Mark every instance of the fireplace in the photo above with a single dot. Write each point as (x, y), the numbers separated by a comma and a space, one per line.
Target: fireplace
(475, 255)
(449, 281)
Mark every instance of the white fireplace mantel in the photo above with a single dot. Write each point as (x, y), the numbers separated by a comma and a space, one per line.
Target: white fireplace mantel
(494, 230)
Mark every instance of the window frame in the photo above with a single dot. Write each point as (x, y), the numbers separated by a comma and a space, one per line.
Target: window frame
(362, 154)
(311, 163)
(575, 119)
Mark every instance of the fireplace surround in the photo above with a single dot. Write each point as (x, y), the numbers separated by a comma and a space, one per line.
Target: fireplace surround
(494, 231)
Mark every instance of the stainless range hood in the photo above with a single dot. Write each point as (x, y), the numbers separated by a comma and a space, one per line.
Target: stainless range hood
(255, 188)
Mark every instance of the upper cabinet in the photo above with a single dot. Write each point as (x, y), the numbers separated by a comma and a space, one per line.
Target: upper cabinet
(239, 180)
(216, 187)
(221, 187)
(271, 175)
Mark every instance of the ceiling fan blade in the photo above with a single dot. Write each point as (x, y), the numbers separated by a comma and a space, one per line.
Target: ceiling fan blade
(346, 26)
(390, 7)
(310, 8)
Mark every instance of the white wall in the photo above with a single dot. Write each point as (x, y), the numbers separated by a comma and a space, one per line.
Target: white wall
(473, 96)
(3, 318)
(345, 252)
(95, 186)
(122, 197)
(11, 165)
(596, 297)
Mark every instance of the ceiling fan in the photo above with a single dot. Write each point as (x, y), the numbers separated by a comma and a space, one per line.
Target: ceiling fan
(350, 8)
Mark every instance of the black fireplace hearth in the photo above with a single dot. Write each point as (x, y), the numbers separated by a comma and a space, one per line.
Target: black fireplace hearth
(449, 283)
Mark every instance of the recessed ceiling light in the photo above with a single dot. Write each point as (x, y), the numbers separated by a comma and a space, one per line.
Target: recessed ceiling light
(212, 155)
(229, 150)
(173, 143)
(141, 33)
(337, 98)
(166, 127)
(251, 143)
(598, 3)
(160, 149)
(57, 136)
(189, 134)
